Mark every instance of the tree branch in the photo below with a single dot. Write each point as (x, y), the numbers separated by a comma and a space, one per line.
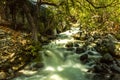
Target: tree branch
(97, 7)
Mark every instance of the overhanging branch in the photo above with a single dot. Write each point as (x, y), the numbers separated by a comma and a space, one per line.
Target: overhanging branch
(97, 7)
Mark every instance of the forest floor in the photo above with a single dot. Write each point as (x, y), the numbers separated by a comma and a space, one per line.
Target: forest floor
(12, 57)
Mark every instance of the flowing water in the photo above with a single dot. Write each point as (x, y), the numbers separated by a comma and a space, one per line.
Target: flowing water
(59, 63)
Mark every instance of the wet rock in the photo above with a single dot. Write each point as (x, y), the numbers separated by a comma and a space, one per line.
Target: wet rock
(2, 75)
(118, 62)
(37, 66)
(107, 58)
(98, 69)
(96, 36)
(115, 68)
(69, 44)
(109, 45)
(98, 42)
(102, 68)
(105, 46)
(102, 77)
(111, 48)
(84, 58)
(90, 53)
(115, 76)
(70, 48)
(34, 66)
(91, 39)
(84, 36)
(76, 45)
(80, 50)
(77, 36)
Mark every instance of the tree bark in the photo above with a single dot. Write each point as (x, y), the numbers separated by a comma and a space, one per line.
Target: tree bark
(31, 22)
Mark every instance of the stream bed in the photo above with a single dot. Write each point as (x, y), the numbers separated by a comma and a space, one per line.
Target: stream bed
(63, 62)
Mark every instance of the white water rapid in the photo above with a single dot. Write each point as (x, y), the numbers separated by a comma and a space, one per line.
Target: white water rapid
(59, 63)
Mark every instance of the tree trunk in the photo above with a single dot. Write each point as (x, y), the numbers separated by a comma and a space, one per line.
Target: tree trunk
(7, 16)
(31, 22)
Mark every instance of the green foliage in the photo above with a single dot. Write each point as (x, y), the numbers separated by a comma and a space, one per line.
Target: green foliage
(59, 14)
(33, 48)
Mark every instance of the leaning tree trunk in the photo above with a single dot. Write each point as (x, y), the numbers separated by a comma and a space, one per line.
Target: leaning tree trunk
(31, 22)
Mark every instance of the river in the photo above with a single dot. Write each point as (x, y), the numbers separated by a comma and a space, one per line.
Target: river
(60, 63)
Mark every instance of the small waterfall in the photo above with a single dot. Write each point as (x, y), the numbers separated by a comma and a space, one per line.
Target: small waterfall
(60, 64)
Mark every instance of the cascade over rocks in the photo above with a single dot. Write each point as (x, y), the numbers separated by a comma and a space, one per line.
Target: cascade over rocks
(107, 46)
(97, 54)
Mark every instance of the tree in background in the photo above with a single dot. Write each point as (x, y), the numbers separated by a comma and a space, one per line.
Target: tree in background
(59, 14)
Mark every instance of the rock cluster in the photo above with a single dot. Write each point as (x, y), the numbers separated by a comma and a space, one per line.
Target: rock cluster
(107, 48)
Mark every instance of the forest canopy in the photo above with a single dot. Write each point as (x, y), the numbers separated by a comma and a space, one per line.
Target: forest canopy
(40, 16)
